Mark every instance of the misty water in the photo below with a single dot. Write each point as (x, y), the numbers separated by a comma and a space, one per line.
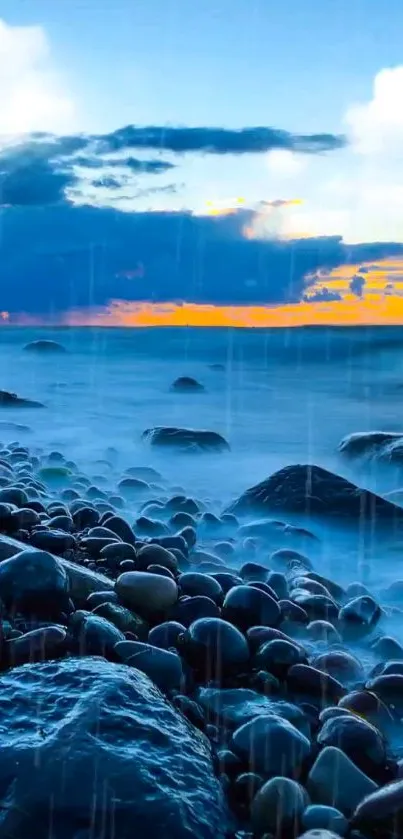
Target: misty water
(279, 397)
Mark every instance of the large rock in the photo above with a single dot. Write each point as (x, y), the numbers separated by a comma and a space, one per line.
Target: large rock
(92, 747)
(11, 400)
(185, 439)
(312, 490)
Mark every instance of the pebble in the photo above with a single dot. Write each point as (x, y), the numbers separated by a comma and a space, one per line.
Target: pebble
(149, 594)
(341, 665)
(246, 606)
(195, 584)
(215, 646)
(278, 656)
(306, 680)
(166, 634)
(38, 645)
(321, 817)
(272, 745)
(278, 807)
(336, 781)
(383, 809)
(34, 581)
(163, 667)
(190, 609)
(357, 738)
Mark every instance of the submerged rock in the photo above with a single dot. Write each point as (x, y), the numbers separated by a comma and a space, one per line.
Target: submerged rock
(186, 439)
(112, 754)
(186, 384)
(45, 346)
(307, 489)
(11, 400)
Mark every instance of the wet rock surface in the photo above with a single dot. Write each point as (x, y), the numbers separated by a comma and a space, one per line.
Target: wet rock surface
(290, 683)
(86, 719)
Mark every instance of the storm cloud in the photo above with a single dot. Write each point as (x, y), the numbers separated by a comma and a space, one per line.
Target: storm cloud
(66, 257)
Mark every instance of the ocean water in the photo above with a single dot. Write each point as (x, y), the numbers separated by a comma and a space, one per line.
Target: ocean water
(284, 396)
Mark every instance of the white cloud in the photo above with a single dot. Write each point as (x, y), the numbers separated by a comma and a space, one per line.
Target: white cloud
(358, 192)
(31, 94)
(285, 164)
(376, 127)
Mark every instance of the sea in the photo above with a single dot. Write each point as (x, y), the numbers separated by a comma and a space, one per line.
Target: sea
(279, 396)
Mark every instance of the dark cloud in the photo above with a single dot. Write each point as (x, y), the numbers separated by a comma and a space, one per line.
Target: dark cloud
(108, 182)
(65, 257)
(40, 169)
(357, 285)
(33, 183)
(323, 295)
(216, 140)
(147, 167)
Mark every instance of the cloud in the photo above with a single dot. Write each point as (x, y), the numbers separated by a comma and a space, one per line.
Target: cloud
(357, 285)
(134, 164)
(254, 140)
(64, 257)
(323, 295)
(32, 96)
(28, 178)
(376, 126)
(285, 163)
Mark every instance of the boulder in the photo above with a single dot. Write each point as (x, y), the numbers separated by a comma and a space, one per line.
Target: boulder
(186, 384)
(11, 400)
(93, 747)
(309, 489)
(185, 439)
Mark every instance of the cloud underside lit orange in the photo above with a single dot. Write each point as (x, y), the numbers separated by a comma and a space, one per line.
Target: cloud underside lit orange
(381, 304)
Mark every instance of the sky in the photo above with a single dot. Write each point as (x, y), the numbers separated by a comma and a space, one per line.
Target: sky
(233, 162)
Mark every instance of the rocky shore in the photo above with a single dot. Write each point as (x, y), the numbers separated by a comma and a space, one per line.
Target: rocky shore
(187, 672)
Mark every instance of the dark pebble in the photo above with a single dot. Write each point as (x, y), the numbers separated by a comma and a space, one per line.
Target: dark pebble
(214, 646)
(278, 656)
(195, 584)
(245, 606)
(306, 680)
(190, 609)
(166, 635)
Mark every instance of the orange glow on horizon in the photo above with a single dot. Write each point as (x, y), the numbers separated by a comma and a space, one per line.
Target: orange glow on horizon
(376, 309)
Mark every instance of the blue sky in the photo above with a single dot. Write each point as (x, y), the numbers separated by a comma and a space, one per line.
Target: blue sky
(231, 62)
(306, 67)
